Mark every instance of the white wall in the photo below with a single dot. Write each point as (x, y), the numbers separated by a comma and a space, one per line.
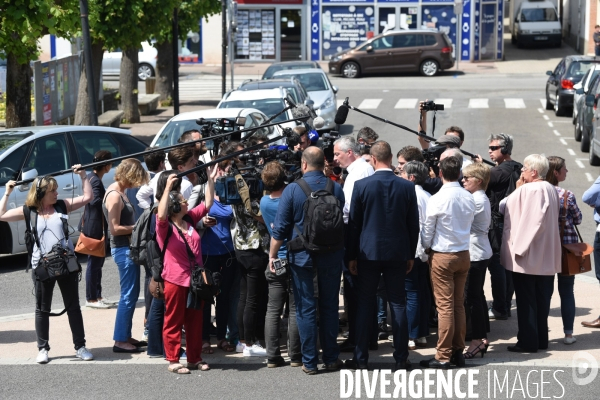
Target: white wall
(211, 40)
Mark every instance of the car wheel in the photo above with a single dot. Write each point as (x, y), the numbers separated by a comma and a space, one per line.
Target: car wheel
(351, 70)
(585, 141)
(429, 68)
(577, 131)
(558, 111)
(594, 159)
(145, 71)
(549, 105)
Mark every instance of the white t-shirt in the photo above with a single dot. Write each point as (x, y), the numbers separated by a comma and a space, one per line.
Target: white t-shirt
(49, 231)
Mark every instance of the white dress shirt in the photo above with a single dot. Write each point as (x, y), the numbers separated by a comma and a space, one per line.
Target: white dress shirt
(480, 248)
(450, 214)
(422, 200)
(357, 170)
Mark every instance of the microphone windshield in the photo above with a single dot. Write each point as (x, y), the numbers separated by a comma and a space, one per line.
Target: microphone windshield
(341, 115)
(319, 122)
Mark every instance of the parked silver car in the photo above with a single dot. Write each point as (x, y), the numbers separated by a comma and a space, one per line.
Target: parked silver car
(28, 152)
(111, 62)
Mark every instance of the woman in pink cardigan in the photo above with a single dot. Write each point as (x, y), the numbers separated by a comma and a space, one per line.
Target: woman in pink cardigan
(531, 250)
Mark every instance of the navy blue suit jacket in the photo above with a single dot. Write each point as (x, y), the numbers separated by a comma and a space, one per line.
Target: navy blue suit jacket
(384, 219)
(94, 223)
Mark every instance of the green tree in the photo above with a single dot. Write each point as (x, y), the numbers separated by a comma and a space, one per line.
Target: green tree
(22, 24)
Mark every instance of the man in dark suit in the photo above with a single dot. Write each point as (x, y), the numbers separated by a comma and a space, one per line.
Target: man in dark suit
(384, 223)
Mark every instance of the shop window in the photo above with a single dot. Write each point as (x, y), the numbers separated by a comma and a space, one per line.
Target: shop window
(255, 39)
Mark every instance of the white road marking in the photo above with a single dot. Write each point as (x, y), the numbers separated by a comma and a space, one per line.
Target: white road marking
(370, 104)
(478, 103)
(514, 103)
(579, 164)
(556, 133)
(385, 91)
(589, 177)
(540, 110)
(543, 101)
(563, 141)
(571, 152)
(406, 103)
(446, 102)
(550, 124)
(547, 118)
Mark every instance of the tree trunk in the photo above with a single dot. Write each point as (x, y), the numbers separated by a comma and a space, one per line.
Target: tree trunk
(83, 115)
(18, 93)
(128, 85)
(164, 70)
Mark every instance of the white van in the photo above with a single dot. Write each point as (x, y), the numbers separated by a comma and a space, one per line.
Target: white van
(536, 22)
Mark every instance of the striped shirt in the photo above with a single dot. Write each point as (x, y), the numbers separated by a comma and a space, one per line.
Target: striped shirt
(573, 216)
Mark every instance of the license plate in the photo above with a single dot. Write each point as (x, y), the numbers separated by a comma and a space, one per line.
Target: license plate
(541, 38)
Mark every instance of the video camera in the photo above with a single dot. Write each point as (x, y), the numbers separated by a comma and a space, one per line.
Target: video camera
(214, 127)
(327, 144)
(432, 157)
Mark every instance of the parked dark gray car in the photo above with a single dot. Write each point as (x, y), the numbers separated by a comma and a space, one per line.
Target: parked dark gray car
(585, 114)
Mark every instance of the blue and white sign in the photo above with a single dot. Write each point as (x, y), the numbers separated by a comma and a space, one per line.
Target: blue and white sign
(465, 34)
(347, 1)
(315, 29)
(476, 38)
(500, 30)
(397, 1)
(345, 27)
(442, 18)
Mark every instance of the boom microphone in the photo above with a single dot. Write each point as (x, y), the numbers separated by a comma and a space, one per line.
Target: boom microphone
(320, 122)
(341, 115)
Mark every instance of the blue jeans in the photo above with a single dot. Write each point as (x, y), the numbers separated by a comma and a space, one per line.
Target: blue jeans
(93, 278)
(156, 318)
(418, 300)
(129, 278)
(567, 302)
(328, 277)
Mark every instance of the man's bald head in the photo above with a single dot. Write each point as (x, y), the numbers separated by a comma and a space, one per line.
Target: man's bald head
(382, 151)
(314, 158)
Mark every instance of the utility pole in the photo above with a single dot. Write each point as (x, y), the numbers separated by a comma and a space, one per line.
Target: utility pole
(87, 54)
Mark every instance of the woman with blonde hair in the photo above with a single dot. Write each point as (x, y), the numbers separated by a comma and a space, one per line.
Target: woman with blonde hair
(42, 200)
(119, 213)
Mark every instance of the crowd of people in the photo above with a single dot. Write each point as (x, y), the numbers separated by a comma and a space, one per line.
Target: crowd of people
(413, 241)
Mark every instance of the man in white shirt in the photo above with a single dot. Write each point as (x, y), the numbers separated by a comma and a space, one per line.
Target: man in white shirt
(346, 155)
(418, 293)
(446, 233)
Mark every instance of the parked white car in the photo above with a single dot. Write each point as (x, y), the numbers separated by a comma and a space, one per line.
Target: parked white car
(321, 91)
(111, 63)
(33, 151)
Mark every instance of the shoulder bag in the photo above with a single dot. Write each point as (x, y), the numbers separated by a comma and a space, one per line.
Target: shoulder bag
(88, 245)
(575, 256)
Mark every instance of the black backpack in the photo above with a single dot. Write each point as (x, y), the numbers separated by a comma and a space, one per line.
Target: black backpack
(142, 233)
(323, 221)
(31, 236)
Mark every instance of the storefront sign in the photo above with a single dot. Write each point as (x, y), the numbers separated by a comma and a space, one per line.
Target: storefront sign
(315, 30)
(476, 39)
(344, 27)
(465, 35)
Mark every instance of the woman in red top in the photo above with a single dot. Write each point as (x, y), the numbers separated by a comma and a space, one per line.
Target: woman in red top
(177, 268)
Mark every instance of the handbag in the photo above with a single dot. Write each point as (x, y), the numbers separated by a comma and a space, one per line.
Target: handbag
(53, 265)
(575, 256)
(88, 245)
(157, 289)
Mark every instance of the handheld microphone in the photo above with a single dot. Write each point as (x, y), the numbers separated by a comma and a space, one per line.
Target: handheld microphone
(342, 113)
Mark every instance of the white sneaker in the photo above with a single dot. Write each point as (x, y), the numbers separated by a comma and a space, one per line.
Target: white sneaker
(411, 344)
(255, 351)
(110, 302)
(239, 347)
(42, 357)
(569, 340)
(97, 304)
(84, 354)
(144, 336)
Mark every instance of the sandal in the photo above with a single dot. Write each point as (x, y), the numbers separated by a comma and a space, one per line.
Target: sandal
(481, 349)
(178, 369)
(225, 346)
(200, 365)
(206, 349)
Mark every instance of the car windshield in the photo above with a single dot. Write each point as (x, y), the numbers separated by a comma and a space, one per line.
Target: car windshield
(538, 15)
(312, 82)
(579, 68)
(8, 139)
(274, 68)
(269, 107)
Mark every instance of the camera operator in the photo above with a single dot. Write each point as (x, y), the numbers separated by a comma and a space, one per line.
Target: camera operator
(503, 179)
(451, 131)
(366, 137)
(200, 149)
(410, 153)
(346, 154)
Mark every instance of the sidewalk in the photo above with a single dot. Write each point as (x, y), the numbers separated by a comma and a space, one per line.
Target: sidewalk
(18, 339)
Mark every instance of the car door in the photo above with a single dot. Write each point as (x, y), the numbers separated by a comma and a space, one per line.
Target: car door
(50, 154)
(554, 80)
(406, 52)
(111, 62)
(378, 55)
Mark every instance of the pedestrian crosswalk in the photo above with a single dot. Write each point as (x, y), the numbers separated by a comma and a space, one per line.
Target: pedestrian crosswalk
(208, 87)
(474, 103)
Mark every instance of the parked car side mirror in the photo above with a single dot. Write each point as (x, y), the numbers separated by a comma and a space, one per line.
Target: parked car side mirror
(549, 73)
(309, 103)
(590, 100)
(27, 175)
(335, 89)
(369, 49)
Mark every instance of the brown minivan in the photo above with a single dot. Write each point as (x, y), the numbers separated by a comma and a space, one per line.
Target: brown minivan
(424, 50)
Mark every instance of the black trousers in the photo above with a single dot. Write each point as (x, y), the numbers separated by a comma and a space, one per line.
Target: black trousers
(533, 294)
(227, 265)
(253, 287)
(475, 305)
(69, 288)
(279, 293)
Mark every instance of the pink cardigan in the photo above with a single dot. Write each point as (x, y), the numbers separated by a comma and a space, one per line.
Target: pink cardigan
(531, 239)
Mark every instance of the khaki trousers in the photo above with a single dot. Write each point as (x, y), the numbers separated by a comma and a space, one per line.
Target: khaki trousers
(448, 276)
